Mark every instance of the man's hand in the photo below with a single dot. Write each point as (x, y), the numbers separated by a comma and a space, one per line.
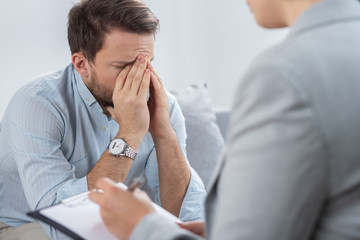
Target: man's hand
(196, 227)
(120, 210)
(132, 113)
(160, 125)
(130, 104)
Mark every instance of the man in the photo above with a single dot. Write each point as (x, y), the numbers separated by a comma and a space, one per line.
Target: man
(65, 130)
(291, 168)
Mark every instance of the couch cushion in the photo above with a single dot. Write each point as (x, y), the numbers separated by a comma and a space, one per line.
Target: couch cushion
(204, 140)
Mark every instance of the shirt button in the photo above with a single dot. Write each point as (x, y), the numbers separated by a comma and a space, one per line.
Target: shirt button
(103, 127)
(88, 100)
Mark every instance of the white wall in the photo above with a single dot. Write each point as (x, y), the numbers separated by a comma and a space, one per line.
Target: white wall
(199, 40)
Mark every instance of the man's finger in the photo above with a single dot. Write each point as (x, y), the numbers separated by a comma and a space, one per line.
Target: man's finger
(120, 80)
(139, 76)
(132, 73)
(158, 88)
(144, 87)
(150, 66)
(196, 227)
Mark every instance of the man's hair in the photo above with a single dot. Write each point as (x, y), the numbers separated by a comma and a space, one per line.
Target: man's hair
(90, 20)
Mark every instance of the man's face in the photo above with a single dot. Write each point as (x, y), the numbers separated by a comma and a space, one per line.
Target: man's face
(120, 49)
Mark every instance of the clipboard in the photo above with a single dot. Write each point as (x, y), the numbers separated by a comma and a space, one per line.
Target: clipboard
(79, 217)
(42, 218)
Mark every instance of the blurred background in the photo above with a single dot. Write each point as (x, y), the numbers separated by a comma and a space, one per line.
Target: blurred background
(210, 41)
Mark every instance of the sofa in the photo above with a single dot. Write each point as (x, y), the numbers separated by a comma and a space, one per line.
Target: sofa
(206, 128)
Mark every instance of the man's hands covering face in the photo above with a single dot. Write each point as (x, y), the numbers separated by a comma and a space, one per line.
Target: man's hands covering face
(131, 110)
(130, 105)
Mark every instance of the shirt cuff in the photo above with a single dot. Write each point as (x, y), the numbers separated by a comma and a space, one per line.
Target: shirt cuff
(71, 188)
(192, 208)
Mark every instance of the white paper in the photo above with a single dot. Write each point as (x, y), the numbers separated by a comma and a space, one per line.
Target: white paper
(82, 217)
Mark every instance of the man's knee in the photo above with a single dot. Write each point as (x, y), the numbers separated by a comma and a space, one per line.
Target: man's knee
(22, 232)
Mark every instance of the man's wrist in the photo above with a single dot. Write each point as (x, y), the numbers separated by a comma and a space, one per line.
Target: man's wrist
(169, 137)
(132, 140)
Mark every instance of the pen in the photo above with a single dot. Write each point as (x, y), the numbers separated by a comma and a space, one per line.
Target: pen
(79, 196)
(135, 183)
(70, 199)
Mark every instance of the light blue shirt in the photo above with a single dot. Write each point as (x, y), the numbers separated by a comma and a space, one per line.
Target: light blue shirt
(53, 133)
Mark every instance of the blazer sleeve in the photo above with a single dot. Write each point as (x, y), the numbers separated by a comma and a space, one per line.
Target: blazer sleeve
(272, 183)
(155, 227)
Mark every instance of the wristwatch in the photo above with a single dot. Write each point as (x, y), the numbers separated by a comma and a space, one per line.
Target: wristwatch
(119, 148)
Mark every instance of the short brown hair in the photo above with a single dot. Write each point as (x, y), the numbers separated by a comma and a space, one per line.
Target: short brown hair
(90, 20)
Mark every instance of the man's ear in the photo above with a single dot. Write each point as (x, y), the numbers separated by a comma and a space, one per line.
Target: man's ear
(81, 65)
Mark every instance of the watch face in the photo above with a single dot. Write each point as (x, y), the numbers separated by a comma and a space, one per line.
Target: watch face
(117, 146)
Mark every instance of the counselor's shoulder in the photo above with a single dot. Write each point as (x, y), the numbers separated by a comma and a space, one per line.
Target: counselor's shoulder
(306, 56)
(314, 49)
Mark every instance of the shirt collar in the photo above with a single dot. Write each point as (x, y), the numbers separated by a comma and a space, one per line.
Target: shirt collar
(326, 11)
(84, 92)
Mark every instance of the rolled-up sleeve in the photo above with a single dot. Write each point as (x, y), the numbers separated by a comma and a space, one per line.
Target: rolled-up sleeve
(193, 205)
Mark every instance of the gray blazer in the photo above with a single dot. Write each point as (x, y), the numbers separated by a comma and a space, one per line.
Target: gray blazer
(291, 166)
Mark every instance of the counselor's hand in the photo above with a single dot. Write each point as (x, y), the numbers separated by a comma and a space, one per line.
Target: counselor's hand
(130, 103)
(120, 210)
(160, 125)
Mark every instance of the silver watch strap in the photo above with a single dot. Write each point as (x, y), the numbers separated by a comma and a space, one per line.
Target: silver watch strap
(129, 152)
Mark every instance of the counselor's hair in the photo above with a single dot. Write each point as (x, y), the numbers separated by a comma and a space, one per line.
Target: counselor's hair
(90, 20)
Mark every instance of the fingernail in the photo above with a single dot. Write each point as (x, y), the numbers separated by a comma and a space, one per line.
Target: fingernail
(97, 190)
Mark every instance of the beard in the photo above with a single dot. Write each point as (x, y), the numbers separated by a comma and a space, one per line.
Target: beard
(102, 94)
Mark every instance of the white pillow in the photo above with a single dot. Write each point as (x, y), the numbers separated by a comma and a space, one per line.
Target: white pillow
(204, 140)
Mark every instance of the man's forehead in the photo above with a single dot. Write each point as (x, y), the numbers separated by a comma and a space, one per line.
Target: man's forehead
(122, 47)
(117, 36)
